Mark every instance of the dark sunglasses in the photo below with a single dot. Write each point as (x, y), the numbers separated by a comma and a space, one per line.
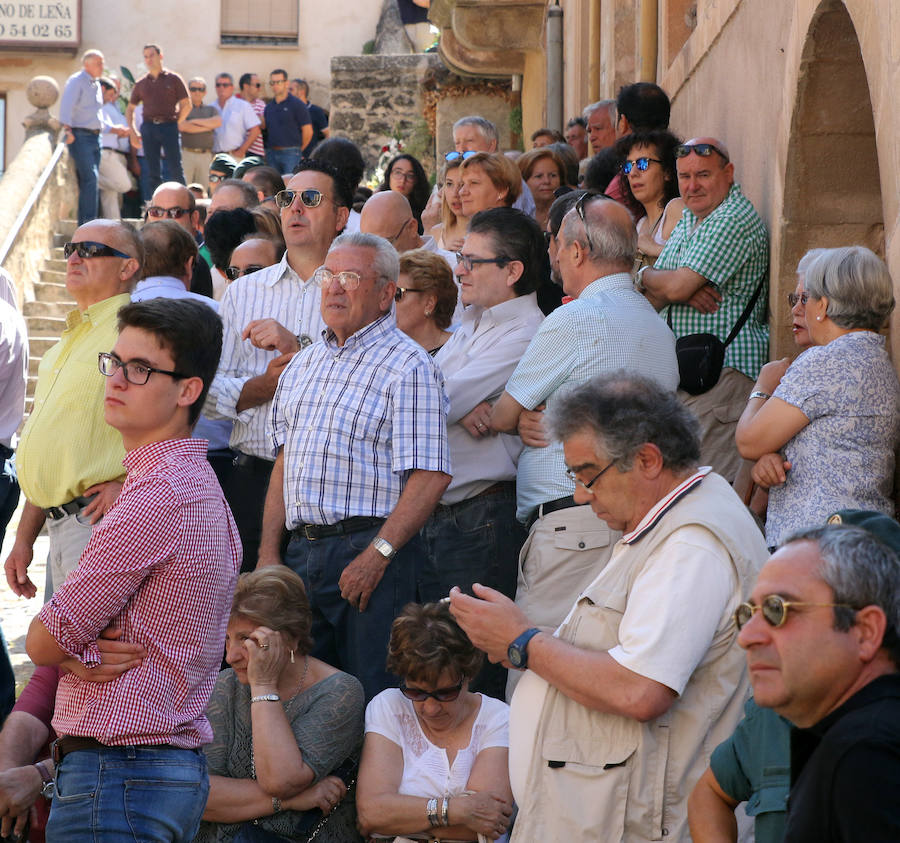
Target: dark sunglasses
(175, 213)
(197, 90)
(215, 179)
(224, 84)
(642, 164)
(579, 209)
(704, 150)
(441, 694)
(92, 249)
(794, 299)
(398, 295)
(453, 156)
(310, 197)
(774, 610)
(232, 273)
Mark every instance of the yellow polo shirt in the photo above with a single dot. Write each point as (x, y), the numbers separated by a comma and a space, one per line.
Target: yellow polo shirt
(66, 445)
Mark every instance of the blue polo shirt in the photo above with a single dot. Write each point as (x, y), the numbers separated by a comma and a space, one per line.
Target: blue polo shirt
(285, 121)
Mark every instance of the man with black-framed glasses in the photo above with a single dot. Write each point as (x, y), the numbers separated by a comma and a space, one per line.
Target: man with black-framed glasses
(267, 317)
(69, 460)
(618, 709)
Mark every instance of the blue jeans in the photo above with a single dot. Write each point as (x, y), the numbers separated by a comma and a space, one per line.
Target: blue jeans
(128, 793)
(156, 137)
(85, 152)
(345, 637)
(284, 160)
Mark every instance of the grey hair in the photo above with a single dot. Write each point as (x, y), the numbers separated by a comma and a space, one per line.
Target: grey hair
(225, 75)
(611, 242)
(386, 263)
(609, 105)
(856, 283)
(92, 54)
(624, 411)
(862, 571)
(807, 260)
(488, 129)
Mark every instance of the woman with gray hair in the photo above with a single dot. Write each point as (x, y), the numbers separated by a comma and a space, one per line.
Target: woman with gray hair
(834, 412)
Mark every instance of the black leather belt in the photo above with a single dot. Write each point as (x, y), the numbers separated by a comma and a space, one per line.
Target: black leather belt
(72, 743)
(70, 508)
(157, 121)
(312, 532)
(256, 465)
(110, 149)
(83, 129)
(550, 506)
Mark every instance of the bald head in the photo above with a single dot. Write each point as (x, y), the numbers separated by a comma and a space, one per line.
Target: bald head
(389, 215)
(173, 194)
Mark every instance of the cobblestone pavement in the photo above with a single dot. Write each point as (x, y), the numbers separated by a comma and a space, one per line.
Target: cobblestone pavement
(16, 612)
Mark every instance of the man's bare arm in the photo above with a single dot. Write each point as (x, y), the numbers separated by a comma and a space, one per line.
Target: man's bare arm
(669, 286)
(41, 646)
(711, 812)
(260, 389)
(505, 415)
(22, 552)
(273, 516)
(193, 125)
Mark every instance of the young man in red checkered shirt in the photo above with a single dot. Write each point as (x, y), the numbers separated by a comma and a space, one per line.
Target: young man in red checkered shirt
(160, 569)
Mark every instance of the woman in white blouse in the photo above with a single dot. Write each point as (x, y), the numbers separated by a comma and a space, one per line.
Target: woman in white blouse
(435, 756)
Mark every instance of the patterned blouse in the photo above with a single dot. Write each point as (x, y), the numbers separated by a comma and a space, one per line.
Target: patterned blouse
(844, 457)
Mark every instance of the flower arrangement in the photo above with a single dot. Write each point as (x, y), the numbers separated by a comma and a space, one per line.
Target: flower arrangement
(388, 152)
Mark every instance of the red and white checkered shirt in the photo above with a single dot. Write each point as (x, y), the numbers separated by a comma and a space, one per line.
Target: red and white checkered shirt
(162, 567)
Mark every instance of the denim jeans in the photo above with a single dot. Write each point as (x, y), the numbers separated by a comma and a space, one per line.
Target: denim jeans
(475, 540)
(345, 637)
(284, 160)
(85, 152)
(156, 137)
(128, 793)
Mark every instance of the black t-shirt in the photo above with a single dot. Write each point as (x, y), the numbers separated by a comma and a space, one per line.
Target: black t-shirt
(845, 771)
(411, 13)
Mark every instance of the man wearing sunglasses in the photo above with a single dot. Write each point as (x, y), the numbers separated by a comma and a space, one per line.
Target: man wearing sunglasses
(250, 90)
(359, 424)
(617, 710)
(196, 127)
(240, 125)
(69, 460)
(821, 632)
(267, 317)
(707, 275)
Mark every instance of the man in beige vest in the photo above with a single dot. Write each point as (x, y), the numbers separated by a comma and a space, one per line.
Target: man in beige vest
(618, 710)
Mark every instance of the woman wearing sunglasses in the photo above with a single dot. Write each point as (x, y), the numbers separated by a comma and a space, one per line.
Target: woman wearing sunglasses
(406, 175)
(834, 413)
(651, 189)
(450, 232)
(425, 299)
(435, 758)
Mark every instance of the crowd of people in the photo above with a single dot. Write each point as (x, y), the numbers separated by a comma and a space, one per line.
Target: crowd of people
(486, 491)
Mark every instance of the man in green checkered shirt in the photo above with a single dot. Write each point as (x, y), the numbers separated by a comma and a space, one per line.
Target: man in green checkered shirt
(706, 275)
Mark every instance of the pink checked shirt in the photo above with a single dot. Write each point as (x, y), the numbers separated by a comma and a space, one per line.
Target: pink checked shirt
(162, 567)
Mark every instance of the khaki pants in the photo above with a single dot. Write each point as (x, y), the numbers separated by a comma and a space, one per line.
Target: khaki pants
(719, 411)
(196, 167)
(563, 553)
(114, 180)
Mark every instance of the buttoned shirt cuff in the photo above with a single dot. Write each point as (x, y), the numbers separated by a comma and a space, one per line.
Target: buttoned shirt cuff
(224, 394)
(55, 623)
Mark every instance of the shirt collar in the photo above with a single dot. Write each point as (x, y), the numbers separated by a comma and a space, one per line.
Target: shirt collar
(616, 281)
(97, 312)
(733, 191)
(365, 336)
(498, 313)
(662, 506)
(284, 271)
(167, 281)
(143, 460)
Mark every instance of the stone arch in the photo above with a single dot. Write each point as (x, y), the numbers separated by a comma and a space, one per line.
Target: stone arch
(832, 184)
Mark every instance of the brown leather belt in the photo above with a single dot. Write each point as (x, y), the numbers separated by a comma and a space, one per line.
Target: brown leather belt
(62, 746)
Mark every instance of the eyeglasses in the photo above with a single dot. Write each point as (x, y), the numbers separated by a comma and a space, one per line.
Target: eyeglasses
(197, 90)
(92, 249)
(398, 295)
(441, 694)
(587, 486)
(215, 179)
(232, 273)
(794, 299)
(256, 84)
(549, 237)
(704, 150)
(453, 156)
(579, 209)
(224, 84)
(642, 164)
(175, 213)
(400, 175)
(402, 229)
(135, 373)
(774, 610)
(348, 280)
(310, 197)
(468, 261)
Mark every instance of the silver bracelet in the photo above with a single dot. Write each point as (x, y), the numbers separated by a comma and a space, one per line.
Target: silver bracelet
(431, 808)
(276, 805)
(758, 393)
(445, 811)
(266, 698)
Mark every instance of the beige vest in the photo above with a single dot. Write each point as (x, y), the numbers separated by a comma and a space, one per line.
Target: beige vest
(616, 779)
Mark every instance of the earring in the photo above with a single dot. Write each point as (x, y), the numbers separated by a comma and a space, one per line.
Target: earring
(818, 319)
(428, 313)
(292, 656)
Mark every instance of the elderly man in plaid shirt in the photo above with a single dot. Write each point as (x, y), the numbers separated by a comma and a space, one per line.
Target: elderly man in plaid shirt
(359, 421)
(709, 270)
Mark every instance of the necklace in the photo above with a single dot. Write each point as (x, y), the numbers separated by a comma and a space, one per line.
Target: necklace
(286, 706)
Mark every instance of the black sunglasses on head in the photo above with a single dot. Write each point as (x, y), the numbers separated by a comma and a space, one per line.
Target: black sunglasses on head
(704, 150)
(92, 249)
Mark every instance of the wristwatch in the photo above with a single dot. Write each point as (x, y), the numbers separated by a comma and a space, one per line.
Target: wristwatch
(49, 787)
(517, 652)
(384, 547)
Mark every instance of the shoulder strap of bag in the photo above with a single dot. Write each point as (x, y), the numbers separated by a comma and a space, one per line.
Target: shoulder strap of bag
(743, 318)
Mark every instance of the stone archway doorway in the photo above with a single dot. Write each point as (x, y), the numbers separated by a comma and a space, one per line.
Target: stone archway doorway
(832, 194)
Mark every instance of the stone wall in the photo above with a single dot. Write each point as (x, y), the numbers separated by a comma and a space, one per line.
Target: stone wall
(377, 97)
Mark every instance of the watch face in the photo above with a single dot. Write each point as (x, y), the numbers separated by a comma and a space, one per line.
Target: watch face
(515, 655)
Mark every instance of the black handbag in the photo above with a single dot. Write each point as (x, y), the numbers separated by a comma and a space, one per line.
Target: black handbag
(700, 356)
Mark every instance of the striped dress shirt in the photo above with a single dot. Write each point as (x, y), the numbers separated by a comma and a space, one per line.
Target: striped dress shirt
(354, 421)
(276, 292)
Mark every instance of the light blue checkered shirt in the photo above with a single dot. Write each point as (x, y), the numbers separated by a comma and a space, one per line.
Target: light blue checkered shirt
(607, 328)
(354, 421)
